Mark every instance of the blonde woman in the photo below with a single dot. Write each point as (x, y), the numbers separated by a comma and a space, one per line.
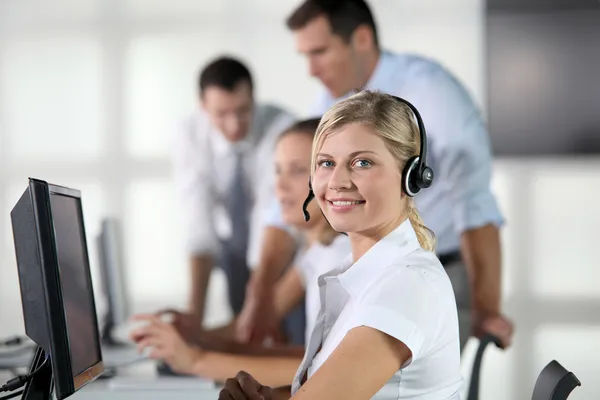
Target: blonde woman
(388, 325)
(322, 248)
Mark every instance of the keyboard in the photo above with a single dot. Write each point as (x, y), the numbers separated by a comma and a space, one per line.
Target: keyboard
(121, 356)
(17, 356)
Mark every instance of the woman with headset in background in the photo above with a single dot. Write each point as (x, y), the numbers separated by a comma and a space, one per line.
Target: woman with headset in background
(322, 249)
(388, 324)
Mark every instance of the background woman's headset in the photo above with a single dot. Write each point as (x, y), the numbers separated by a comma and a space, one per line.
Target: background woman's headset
(416, 175)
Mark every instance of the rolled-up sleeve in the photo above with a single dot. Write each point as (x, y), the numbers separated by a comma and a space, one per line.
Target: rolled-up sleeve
(402, 306)
(391, 323)
(191, 171)
(462, 153)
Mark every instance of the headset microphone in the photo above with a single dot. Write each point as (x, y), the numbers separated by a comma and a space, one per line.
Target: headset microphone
(311, 195)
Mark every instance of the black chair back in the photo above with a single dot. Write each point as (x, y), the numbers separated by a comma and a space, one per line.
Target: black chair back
(554, 383)
(476, 371)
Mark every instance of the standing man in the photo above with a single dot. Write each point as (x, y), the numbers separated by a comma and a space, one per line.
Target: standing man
(224, 176)
(339, 40)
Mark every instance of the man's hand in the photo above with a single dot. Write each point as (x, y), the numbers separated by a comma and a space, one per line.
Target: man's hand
(495, 324)
(258, 319)
(243, 387)
(187, 324)
(166, 344)
(481, 252)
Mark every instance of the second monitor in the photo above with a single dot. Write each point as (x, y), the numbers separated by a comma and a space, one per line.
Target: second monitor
(114, 282)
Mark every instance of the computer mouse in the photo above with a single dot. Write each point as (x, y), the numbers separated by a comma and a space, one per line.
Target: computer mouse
(163, 369)
(108, 373)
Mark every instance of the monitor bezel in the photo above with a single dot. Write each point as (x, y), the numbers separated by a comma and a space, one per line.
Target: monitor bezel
(94, 370)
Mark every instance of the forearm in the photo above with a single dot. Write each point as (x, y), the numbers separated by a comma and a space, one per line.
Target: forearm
(217, 344)
(200, 270)
(270, 371)
(276, 253)
(222, 333)
(482, 255)
(288, 292)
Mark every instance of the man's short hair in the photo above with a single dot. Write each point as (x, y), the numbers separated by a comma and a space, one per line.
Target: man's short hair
(225, 73)
(344, 16)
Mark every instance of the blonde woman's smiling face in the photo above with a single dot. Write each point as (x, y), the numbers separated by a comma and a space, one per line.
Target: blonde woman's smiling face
(357, 181)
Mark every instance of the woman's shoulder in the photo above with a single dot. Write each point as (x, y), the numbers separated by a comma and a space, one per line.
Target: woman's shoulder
(418, 277)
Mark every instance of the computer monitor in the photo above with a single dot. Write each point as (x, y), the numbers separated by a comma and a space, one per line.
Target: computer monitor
(114, 283)
(56, 290)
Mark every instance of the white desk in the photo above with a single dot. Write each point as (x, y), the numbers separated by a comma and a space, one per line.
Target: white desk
(138, 381)
(100, 391)
(16, 357)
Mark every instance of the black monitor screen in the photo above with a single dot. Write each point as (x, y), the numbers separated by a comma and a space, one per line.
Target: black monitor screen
(75, 281)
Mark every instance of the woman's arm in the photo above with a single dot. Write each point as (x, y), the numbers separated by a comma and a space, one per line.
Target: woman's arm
(248, 349)
(167, 345)
(288, 292)
(358, 368)
(270, 371)
(208, 340)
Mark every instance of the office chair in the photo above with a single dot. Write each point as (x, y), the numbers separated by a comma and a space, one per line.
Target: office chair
(476, 371)
(554, 383)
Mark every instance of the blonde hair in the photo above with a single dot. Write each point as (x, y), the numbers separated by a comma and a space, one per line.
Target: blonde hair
(393, 122)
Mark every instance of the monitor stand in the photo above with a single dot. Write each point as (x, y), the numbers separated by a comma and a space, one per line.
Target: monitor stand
(40, 386)
(106, 335)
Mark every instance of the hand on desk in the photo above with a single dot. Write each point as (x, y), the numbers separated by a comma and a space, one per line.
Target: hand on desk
(166, 344)
(244, 386)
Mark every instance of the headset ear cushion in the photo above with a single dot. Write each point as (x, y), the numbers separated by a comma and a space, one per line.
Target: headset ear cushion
(410, 177)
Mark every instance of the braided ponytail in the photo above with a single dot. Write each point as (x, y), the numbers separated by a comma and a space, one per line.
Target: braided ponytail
(425, 235)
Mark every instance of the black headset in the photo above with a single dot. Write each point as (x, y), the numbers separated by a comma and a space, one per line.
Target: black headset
(416, 175)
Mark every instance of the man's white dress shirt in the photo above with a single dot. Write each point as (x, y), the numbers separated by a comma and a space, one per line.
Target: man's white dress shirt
(204, 162)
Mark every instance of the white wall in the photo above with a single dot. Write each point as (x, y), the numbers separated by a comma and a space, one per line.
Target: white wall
(89, 90)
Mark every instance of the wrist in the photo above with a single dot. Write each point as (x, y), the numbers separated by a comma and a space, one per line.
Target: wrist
(282, 392)
(201, 363)
(485, 297)
(483, 310)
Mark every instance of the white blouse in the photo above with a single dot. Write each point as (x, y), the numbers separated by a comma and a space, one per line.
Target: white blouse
(402, 290)
(315, 261)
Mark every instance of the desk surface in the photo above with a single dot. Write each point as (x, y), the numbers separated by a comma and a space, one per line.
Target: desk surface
(16, 356)
(140, 381)
(135, 381)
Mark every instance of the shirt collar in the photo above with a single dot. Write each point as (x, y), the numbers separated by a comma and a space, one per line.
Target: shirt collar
(397, 244)
(382, 75)
(223, 147)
